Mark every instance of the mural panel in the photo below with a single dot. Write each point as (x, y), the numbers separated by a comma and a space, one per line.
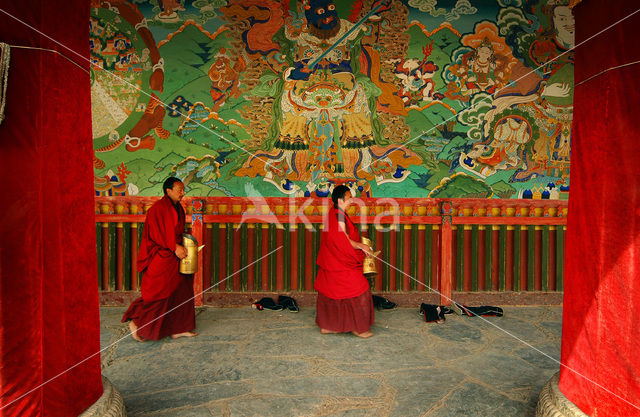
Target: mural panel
(394, 98)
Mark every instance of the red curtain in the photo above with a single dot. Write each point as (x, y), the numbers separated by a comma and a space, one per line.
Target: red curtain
(49, 317)
(602, 289)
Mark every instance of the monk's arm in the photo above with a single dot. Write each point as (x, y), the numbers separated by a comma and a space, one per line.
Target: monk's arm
(356, 245)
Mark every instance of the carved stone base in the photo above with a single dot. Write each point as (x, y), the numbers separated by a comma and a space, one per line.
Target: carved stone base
(553, 403)
(110, 404)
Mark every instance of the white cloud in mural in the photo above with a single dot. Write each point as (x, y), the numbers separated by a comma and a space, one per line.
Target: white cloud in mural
(208, 10)
(505, 3)
(510, 17)
(462, 7)
(474, 115)
(428, 6)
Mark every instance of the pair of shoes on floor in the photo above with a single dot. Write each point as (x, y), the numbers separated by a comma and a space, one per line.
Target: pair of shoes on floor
(270, 304)
(382, 303)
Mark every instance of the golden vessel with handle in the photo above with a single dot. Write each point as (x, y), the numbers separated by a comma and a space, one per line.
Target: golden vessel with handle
(369, 263)
(189, 264)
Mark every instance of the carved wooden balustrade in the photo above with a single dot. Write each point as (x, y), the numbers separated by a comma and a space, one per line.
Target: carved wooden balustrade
(428, 245)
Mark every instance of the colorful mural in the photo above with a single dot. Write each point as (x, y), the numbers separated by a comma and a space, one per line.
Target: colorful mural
(394, 98)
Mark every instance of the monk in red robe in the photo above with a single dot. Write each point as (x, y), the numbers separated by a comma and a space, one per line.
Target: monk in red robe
(166, 306)
(344, 299)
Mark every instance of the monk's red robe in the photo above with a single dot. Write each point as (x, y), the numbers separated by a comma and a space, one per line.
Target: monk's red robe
(157, 260)
(166, 306)
(340, 273)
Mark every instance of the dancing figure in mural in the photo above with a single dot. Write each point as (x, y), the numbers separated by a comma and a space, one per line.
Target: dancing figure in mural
(416, 77)
(326, 112)
(224, 78)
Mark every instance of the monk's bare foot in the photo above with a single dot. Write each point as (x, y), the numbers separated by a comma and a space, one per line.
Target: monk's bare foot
(325, 331)
(134, 331)
(184, 334)
(363, 335)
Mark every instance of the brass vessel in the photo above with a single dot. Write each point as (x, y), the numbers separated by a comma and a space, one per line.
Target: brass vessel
(189, 264)
(369, 264)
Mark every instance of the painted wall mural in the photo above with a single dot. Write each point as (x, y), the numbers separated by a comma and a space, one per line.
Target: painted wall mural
(394, 98)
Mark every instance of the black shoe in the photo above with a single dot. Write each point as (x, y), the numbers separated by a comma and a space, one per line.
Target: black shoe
(267, 303)
(382, 303)
(289, 303)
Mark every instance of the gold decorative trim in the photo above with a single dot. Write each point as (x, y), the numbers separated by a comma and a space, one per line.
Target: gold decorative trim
(553, 403)
(110, 404)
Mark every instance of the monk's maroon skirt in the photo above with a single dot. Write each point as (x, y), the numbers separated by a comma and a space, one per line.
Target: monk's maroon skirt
(347, 314)
(161, 318)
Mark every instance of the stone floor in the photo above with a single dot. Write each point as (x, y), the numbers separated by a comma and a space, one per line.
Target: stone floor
(247, 362)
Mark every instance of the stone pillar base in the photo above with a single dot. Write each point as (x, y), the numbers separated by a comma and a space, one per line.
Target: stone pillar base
(110, 404)
(553, 403)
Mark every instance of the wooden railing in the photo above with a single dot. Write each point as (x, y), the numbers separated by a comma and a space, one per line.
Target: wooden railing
(270, 244)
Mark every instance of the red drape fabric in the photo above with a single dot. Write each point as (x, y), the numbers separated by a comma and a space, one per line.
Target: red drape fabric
(602, 289)
(49, 318)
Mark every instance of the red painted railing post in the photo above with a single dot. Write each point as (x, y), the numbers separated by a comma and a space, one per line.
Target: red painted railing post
(406, 260)
(446, 248)
(293, 262)
(206, 255)
(105, 257)
(393, 255)
(379, 264)
(524, 258)
(251, 256)
(308, 258)
(537, 268)
(134, 256)
(422, 276)
(280, 257)
(197, 230)
(552, 258)
(467, 281)
(436, 272)
(264, 278)
(495, 257)
(236, 281)
(119, 257)
(482, 258)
